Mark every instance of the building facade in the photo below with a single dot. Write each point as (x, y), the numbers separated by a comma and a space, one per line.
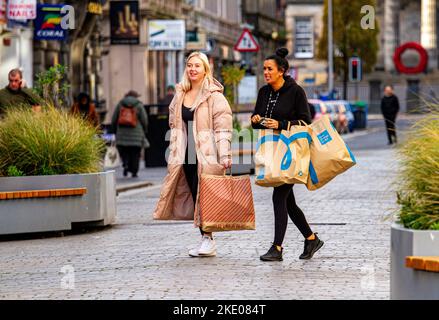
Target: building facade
(219, 23)
(400, 21)
(136, 66)
(266, 19)
(80, 52)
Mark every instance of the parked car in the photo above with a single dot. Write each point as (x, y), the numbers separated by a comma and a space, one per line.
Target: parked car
(319, 107)
(341, 115)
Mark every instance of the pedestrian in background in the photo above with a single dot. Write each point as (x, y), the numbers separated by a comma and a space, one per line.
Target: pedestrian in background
(86, 109)
(15, 94)
(201, 133)
(280, 102)
(130, 124)
(170, 92)
(390, 109)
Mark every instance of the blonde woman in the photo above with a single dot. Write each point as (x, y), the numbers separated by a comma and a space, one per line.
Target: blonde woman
(200, 119)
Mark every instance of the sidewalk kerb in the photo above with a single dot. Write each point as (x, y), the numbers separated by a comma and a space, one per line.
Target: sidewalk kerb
(131, 186)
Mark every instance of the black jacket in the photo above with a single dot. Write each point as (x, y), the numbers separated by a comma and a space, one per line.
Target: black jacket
(390, 106)
(291, 105)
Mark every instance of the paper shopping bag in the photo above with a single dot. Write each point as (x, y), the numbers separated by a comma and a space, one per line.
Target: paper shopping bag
(226, 203)
(284, 157)
(264, 158)
(330, 155)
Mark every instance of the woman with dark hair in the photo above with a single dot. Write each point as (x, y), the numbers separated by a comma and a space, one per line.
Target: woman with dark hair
(281, 102)
(84, 107)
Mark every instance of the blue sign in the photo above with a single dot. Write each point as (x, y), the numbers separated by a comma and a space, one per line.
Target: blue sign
(48, 23)
(324, 137)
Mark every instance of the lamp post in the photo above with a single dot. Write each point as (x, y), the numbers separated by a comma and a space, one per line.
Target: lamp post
(330, 50)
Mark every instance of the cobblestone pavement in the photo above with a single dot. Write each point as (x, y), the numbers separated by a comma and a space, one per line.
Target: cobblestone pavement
(138, 258)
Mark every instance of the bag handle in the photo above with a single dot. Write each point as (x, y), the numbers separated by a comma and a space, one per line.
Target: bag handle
(300, 121)
(225, 172)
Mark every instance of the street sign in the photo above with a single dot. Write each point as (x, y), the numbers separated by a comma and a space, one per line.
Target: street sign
(246, 42)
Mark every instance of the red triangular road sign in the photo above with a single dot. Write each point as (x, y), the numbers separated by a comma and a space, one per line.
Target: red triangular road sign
(246, 42)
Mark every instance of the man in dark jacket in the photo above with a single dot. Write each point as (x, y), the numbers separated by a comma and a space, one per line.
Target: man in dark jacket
(14, 95)
(130, 138)
(389, 109)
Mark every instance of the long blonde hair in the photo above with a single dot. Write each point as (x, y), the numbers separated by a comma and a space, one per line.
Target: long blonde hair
(186, 83)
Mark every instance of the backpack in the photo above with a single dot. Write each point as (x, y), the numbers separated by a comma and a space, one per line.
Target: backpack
(127, 116)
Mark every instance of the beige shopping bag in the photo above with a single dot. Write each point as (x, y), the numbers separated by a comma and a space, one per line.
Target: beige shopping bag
(264, 157)
(283, 157)
(330, 155)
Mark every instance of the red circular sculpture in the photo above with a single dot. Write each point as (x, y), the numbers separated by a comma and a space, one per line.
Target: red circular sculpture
(410, 70)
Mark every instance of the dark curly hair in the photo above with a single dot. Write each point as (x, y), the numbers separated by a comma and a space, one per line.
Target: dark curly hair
(281, 62)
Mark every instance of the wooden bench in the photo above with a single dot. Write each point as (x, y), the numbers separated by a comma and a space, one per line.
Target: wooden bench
(423, 263)
(50, 193)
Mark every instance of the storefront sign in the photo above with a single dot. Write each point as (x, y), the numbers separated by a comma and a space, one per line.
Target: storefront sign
(166, 35)
(22, 9)
(124, 20)
(94, 7)
(48, 23)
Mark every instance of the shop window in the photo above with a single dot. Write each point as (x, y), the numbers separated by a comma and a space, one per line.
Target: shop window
(303, 38)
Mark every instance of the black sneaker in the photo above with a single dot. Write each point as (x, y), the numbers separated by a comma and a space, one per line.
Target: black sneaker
(272, 255)
(311, 247)
(125, 172)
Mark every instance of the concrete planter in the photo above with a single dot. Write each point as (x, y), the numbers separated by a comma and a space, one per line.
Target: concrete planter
(407, 283)
(97, 207)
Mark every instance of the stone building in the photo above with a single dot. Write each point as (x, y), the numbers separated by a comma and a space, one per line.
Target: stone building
(400, 21)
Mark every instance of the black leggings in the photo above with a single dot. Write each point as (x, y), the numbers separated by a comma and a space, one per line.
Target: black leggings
(191, 173)
(285, 205)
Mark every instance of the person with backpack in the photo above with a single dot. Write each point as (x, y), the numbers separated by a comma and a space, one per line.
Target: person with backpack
(130, 124)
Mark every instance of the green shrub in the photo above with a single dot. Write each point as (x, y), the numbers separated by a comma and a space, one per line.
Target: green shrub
(52, 85)
(418, 193)
(48, 143)
(14, 172)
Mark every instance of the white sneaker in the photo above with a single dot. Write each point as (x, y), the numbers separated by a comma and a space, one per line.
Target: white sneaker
(208, 247)
(194, 252)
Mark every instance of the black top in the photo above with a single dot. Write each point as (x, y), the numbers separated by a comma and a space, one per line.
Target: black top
(188, 117)
(289, 103)
(389, 106)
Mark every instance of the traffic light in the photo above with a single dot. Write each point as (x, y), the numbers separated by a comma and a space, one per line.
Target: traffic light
(355, 73)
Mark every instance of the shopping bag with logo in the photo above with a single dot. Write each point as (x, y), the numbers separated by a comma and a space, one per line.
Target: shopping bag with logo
(226, 203)
(264, 157)
(330, 155)
(112, 158)
(285, 159)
